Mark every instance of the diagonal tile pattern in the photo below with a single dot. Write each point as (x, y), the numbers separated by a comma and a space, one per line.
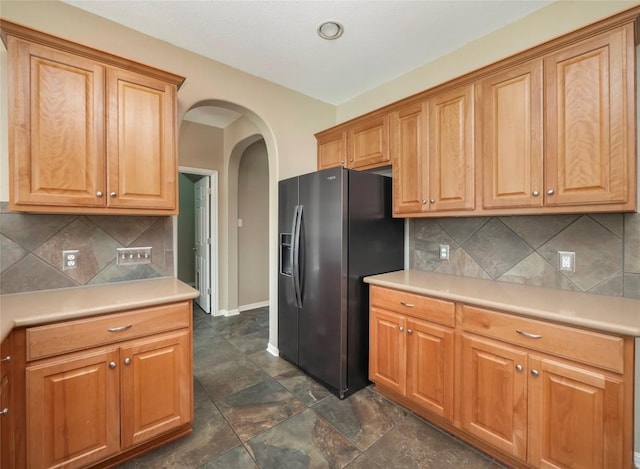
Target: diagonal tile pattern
(275, 417)
(524, 249)
(31, 249)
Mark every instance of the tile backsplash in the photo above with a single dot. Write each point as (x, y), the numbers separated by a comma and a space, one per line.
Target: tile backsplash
(31, 248)
(524, 249)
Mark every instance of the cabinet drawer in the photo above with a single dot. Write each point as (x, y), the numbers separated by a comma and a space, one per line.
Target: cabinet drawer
(64, 337)
(588, 347)
(423, 307)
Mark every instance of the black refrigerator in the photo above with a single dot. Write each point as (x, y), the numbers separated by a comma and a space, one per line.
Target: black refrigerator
(335, 228)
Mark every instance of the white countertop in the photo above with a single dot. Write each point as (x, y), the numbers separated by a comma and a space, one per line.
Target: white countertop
(31, 308)
(604, 313)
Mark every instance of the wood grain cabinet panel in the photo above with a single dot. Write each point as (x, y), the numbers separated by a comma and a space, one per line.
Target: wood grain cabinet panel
(369, 143)
(7, 410)
(494, 394)
(574, 416)
(590, 141)
(89, 132)
(56, 123)
(73, 411)
(332, 149)
(408, 355)
(451, 150)
(510, 137)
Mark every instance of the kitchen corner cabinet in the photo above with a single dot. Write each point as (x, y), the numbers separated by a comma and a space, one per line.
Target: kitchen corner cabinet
(532, 393)
(362, 144)
(433, 154)
(411, 348)
(99, 387)
(89, 132)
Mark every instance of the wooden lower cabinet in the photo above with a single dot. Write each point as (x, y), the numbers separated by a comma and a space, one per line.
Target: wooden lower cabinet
(413, 358)
(494, 394)
(6, 409)
(534, 394)
(87, 406)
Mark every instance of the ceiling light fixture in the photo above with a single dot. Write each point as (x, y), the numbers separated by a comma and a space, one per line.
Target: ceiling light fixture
(330, 30)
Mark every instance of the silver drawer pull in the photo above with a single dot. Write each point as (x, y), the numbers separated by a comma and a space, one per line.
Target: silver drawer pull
(4, 411)
(120, 328)
(529, 334)
(6, 359)
(408, 305)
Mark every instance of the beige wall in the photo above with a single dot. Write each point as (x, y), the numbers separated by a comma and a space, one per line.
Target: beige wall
(547, 23)
(200, 146)
(253, 241)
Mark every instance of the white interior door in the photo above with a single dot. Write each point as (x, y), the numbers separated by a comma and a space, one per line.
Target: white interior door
(203, 243)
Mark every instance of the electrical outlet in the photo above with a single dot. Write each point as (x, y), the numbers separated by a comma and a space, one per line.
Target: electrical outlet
(70, 259)
(444, 251)
(567, 261)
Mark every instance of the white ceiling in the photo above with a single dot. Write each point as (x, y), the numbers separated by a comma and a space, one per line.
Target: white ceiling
(277, 40)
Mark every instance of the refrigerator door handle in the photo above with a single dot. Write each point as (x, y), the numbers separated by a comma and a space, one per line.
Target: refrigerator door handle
(296, 255)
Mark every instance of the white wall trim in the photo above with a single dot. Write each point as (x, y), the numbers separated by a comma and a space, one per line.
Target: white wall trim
(213, 220)
(273, 350)
(259, 304)
(636, 460)
(227, 312)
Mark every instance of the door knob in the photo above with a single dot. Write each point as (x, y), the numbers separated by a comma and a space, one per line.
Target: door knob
(127, 361)
(433, 201)
(99, 194)
(535, 373)
(535, 193)
(400, 328)
(518, 367)
(550, 192)
(409, 331)
(112, 365)
(113, 194)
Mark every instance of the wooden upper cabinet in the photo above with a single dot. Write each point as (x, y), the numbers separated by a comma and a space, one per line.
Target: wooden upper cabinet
(56, 126)
(88, 132)
(361, 144)
(451, 150)
(409, 156)
(140, 145)
(332, 149)
(509, 140)
(369, 143)
(590, 132)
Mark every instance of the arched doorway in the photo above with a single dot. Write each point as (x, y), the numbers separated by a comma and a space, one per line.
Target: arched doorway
(236, 138)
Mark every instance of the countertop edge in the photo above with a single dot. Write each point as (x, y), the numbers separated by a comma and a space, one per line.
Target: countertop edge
(162, 290)
(534, 312)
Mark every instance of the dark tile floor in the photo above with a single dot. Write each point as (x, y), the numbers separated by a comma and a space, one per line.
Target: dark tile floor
(254, 410)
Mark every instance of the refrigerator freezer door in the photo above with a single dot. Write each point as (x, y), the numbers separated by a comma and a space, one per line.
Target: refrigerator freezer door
(287, 309)
(322, 319)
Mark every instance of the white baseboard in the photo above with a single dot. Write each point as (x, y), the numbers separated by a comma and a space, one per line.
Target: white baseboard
(259, 304)
(636, 460)
(227, 313)
(275, 352)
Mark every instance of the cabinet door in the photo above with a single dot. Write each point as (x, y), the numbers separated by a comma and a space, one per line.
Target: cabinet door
(430, 366)
(590, 105)
(387, 350)
(332, 149)
(57, 127)
(73, 409)
(6, 410)
(157, 387)
(141, 145)
(369, 143)
(409, 157)
(494, 394)
(451, 150)
(575, 416)
(510, 137)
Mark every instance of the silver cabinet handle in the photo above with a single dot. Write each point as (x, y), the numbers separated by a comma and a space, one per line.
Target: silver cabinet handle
(6, 359)
(400, 328)
(529, 334)
(535, 373)
(112, 365)
(535, 193)
(550, 192)
(127, 361)
(351, 160)
(433, 201)
(120, 328)
(519, 367)
(424, 201)
(409, 331)
(113, 194)
(99, 194)
(4, 411)
(408, 305)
